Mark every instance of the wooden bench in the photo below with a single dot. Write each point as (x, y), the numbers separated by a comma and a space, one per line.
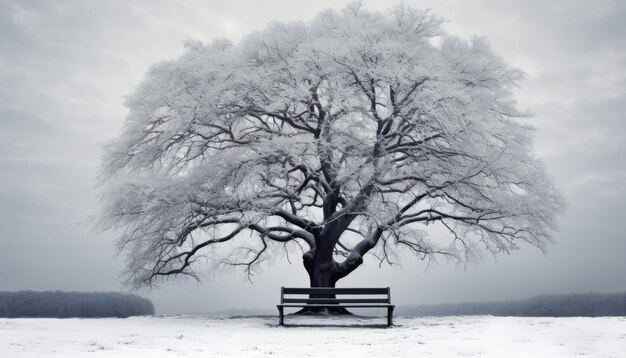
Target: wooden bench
(327, 298)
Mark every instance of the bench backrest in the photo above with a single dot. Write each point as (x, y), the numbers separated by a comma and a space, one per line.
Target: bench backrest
(321, 295)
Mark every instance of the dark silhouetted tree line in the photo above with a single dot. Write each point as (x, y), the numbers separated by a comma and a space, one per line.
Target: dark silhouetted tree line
(61, 304)
(572, 305)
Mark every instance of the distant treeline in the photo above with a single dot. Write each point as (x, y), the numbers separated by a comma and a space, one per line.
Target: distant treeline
(59, 304)
(572, 305)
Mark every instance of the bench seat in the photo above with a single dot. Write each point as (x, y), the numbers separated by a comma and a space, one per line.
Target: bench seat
(326, 305)
(322, 297)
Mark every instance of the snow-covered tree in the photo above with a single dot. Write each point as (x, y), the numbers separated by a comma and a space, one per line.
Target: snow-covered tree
(341, 136)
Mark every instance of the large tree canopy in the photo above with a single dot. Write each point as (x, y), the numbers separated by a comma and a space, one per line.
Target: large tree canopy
(341, 136)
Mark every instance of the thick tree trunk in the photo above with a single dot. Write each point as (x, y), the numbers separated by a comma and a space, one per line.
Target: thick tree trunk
(323, 272)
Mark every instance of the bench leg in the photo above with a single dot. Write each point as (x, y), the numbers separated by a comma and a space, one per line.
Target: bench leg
(280, 317)
(390, 316)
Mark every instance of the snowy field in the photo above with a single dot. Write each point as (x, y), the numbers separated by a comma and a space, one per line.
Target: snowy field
(200, 336)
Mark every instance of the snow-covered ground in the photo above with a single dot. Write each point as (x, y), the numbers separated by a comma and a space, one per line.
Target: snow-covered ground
(198, 336)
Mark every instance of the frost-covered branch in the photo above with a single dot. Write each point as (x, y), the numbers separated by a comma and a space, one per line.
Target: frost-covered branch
(349, 133)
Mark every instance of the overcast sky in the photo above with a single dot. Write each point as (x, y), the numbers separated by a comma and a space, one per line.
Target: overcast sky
(65, 67)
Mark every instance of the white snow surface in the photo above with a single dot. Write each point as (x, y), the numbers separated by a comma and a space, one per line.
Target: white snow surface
(260, 336)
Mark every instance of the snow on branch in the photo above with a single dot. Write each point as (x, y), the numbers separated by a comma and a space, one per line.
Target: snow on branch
(348, 133)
